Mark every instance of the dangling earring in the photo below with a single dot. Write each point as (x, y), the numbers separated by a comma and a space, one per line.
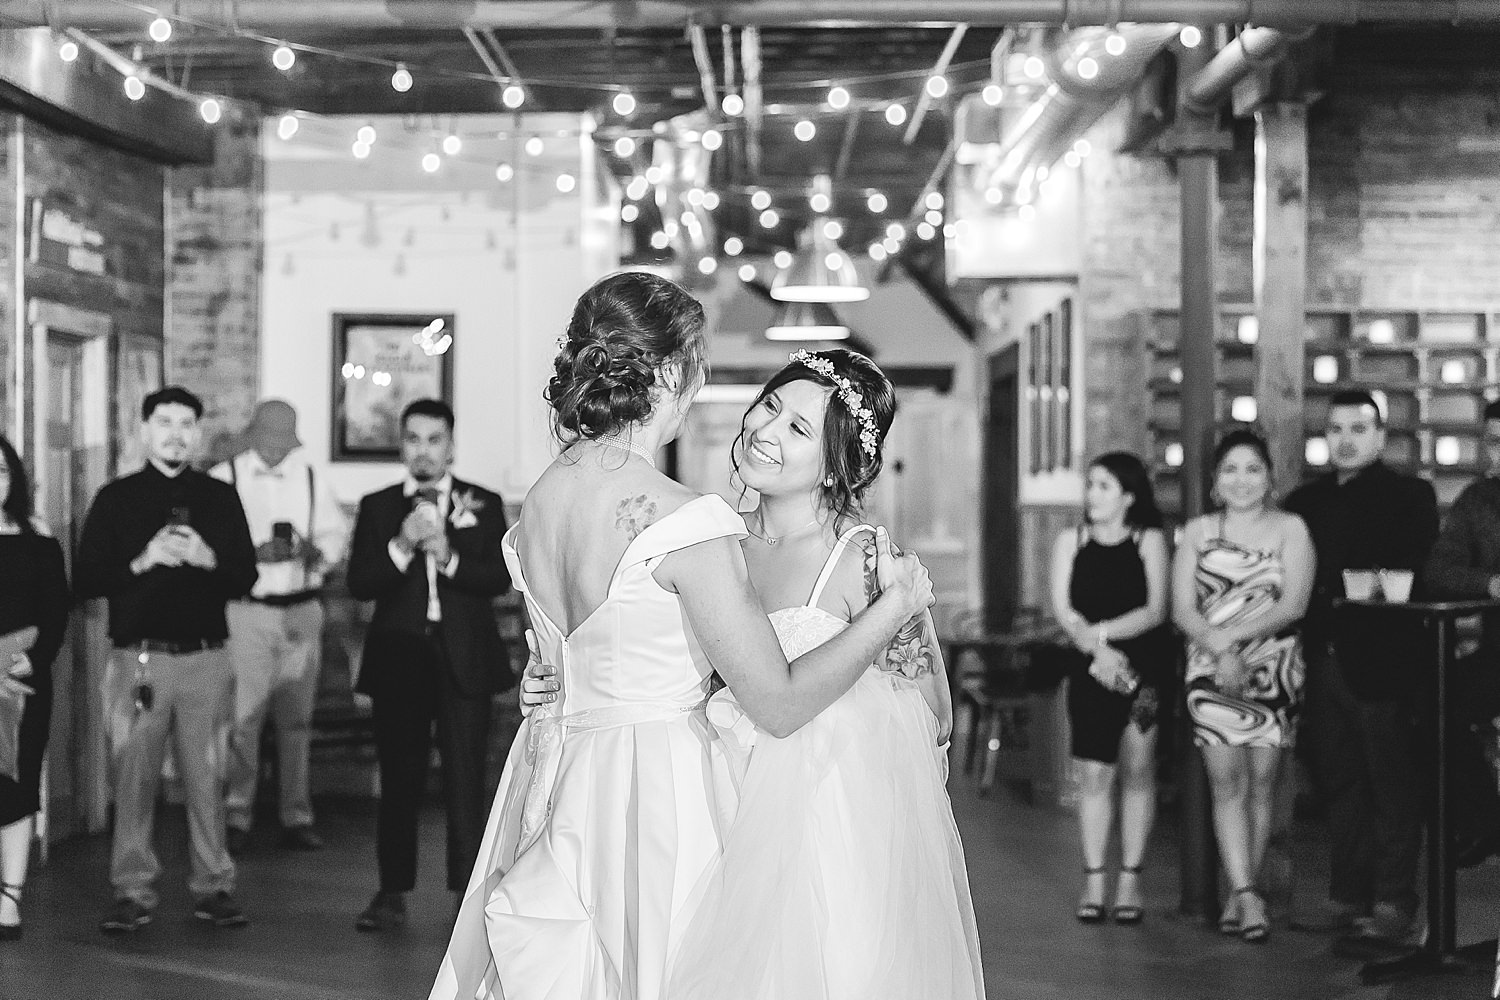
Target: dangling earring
(828, 482)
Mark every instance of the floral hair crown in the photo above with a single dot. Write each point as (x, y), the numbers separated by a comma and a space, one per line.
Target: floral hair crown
(869, 438)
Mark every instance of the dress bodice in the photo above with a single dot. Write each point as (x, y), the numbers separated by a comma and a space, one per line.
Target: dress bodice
(635, 647)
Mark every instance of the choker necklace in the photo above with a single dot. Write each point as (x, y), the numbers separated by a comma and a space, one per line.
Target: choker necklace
(775, 540)
(610, 441)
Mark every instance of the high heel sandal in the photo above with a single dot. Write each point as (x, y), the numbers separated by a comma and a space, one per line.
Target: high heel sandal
(1088, 912)
(1256, 931)
(11, 932)
(1128, 913)
(1229, 920)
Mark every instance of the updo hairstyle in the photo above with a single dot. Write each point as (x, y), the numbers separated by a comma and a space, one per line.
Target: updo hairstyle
(844, 458)
(624, 331)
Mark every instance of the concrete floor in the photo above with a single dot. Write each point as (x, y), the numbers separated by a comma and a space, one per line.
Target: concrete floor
(1023, 865)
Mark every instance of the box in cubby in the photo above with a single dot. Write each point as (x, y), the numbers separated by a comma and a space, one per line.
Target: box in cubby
(1383, 367)
(1385, 328)
(1448, 407)
(1455, 367)
(1451, 328)
(1462, 450)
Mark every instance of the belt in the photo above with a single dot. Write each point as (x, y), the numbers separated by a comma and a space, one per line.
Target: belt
(286, 600)
(172, 648)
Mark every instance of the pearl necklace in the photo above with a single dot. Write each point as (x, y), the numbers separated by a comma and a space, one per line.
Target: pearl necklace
(775, 540)
(623, 444)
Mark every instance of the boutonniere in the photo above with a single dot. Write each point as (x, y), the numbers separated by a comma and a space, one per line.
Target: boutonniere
(466, 507)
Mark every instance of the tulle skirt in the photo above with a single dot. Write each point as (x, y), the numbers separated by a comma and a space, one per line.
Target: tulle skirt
(843, 876)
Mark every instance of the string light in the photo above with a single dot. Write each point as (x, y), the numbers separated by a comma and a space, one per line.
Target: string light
(769, 219)
(747, 272)
(707, 265)
(504, 172)
(1190, 36)
(452, 145)
(993, 195)
(993, 94)
(937, 86)
(283, 58)
(210, 110)
(925, 231)
(534, 146)
(933, 217)
(934, 200)
(401, 80)
(1115, 44)
(1088, 68)
(876, 202)
(624, 146)
(712, 140)
(760, 200)
(637, 188)
(833, 229)
(782, 260)
(361, 150)
(895, 113)
(1083, 147)
(366, 135)
(566, 183)
(1034, 67)
(895, 231)
(513, 96)
(659, 240)
(1072, 159)
(805, 130)
(629, 213)
(135, 89)
(287, 127)
(695, 197)
(653, 174)
(891, 245)
(732, 105)
(838, 98)
(819, 202)
(1028, 212)
(160, 30)
(624, 104)
(877, 252)
(68, 50)
(711, 200)
(734, 246)
(431, 162)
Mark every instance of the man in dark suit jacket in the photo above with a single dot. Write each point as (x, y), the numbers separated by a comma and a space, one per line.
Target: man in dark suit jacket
(427, 551)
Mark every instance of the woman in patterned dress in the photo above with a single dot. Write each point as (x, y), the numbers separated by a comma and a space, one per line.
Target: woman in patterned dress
(1240, 583)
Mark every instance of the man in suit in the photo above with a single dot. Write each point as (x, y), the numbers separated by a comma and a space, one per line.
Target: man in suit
(427, 551)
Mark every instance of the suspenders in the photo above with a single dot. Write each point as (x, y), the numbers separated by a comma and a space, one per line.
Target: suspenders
(312, 494)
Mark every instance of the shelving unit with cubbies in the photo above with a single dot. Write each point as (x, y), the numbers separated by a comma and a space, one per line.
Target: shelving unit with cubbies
(1433, 371)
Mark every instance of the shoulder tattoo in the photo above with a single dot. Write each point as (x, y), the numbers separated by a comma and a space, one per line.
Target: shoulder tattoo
(634, 515)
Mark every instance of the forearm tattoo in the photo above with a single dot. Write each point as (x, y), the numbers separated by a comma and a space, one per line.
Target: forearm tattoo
(911, 652)
(635, 515)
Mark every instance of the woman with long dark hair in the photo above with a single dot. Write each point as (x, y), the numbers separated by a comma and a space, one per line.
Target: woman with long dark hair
(33, 595)
(1109, 592)
(1240, 584)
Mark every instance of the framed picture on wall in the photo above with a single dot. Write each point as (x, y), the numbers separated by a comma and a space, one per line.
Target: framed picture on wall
(381, 362)
(138, 372)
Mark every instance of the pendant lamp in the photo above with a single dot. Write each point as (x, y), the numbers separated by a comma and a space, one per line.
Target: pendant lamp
(806, 321)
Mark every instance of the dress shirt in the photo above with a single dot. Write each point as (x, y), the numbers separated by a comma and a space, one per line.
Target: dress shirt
(281, 494)
(1467, 554)
(165, 603)
(443, 488)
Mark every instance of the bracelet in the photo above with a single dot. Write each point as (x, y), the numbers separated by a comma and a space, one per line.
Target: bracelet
(1103, 635)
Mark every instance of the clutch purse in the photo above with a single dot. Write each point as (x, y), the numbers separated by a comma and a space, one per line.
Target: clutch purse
(12, 708)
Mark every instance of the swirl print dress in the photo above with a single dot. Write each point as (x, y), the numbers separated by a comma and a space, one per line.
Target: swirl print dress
(1237, 584)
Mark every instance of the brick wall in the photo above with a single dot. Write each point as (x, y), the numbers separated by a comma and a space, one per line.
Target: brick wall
(215, 235)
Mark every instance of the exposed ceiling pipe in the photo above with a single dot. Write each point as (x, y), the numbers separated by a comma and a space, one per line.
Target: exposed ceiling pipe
(278, 17)
(1231, 64)
(1085, 83)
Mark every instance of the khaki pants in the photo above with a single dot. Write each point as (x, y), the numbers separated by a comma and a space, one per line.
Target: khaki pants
(277, 653)
(191, 706)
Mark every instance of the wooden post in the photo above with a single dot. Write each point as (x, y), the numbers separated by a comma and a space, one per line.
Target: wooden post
(1281, 283)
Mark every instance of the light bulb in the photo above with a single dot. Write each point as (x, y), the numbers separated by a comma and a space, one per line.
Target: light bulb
(711, 200)
(504, 172)
(211, 110)
(993, 94)
(937, 86)
(361, 150)
(1088, 68)
(1190, 36)
(1083, 147)
(401, 79)
(68, 50)
(834, 261)
(135, 89)
(838, 98)
(624, 146)
(283, 58)
(877, 251)
(629, 213)
(833, 229)
(760, 200)
(659, 240)
(805, 130)
(624, 104)
(782, 260)
(534, 146)
(712, 140)
(654, 175)
(431, 162)
(287, 126)
(734, 246)
(1072, 159)
(366, 135)
(891, 245)
(1034, 67)
(1027, 213)
(160, 30)
(637, 188)
(819, 202)
(933, 217)
(895, 231)
(934, 200)
(769, 219)
(733, 104)
(1115, 44)
(993, 195)
(707, 265)
(513, 96)
(747, 272)
(566, 183)
(877, 202)
(895, 113)
(925, 231)
(452, 145)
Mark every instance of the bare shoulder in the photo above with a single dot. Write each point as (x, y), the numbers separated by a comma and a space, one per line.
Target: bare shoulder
(853, 580)
(1290, 527)
(638, 505)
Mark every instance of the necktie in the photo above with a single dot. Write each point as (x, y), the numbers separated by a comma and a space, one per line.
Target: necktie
(428, 495)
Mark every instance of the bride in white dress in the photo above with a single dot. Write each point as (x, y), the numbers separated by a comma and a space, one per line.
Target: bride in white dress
(609, 813)
(842, 876)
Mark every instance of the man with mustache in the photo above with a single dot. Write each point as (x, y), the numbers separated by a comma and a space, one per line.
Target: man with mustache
(1365, 669)
(168, 547)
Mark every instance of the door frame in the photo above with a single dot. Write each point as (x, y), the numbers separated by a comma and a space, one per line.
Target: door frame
(1000, 512)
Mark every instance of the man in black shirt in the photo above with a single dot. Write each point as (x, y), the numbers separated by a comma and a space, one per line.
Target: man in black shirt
(168, 546)
(1364, 672)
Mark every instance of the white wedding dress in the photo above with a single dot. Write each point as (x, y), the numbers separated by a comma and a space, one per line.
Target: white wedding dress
(843, 877)
(609, 813)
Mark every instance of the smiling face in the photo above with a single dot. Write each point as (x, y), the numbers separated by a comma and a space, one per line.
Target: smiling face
(170, 433)
(780, 449)
(1242, 479)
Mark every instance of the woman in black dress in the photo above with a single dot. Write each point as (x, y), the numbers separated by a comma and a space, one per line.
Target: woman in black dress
(33, 592)
(1109, 592)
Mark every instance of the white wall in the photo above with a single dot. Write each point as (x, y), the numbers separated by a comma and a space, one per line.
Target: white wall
(380, 235)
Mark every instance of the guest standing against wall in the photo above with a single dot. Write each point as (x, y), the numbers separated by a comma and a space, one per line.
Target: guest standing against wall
(1109, 591)
(276, 633)
(33, 595)
(427, 551)
(1365, 669)
(168, 547)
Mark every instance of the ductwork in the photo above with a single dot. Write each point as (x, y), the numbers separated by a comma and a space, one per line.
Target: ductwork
(279, 17)
(1235, 61)
(1085, 81)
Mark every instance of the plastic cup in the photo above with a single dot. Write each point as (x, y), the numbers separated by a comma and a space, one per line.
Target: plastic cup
(1396, 584)
(1359, 584)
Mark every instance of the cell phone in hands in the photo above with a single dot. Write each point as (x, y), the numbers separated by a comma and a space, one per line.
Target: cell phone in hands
(282, 531)
(180, 517)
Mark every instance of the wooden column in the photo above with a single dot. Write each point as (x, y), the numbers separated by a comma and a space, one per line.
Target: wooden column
(1281, 283)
